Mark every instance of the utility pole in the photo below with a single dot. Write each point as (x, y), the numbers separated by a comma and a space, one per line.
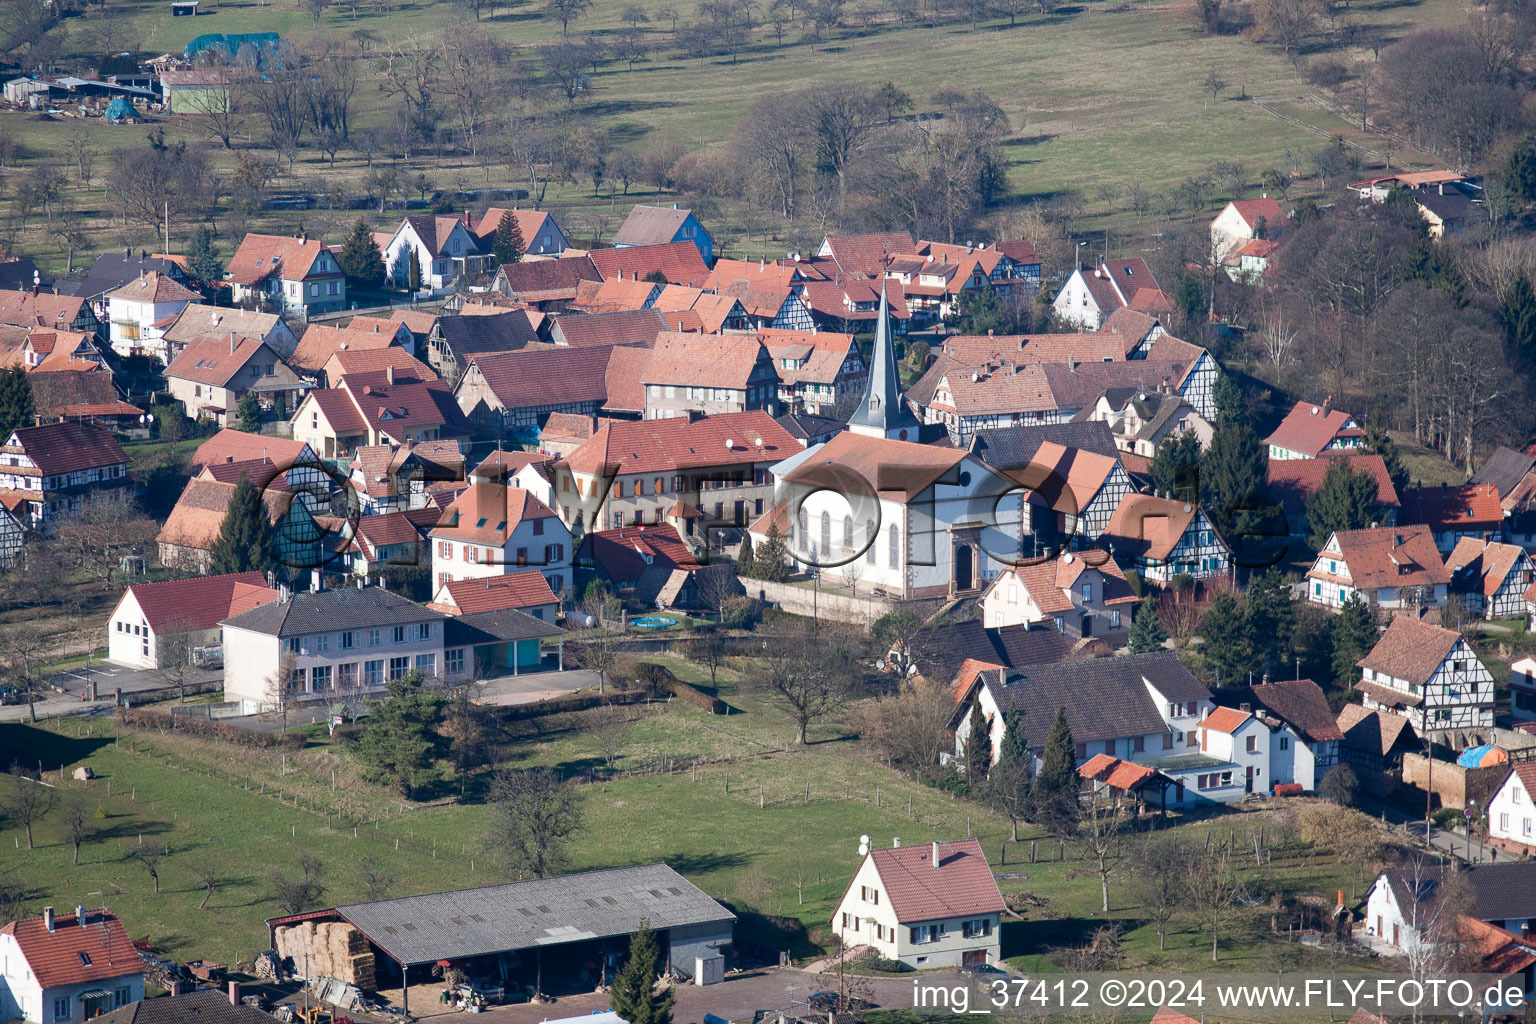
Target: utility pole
(167, 227)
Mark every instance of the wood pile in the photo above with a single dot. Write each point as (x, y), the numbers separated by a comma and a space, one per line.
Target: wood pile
(334, 949)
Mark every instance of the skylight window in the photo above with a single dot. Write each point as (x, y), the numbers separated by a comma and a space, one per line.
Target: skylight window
(85, 958)
(481, 524)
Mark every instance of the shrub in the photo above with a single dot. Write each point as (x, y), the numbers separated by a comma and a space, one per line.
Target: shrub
(1448, 817)
(739, 612)
(660, 678)
(887, 966)
(144, 718)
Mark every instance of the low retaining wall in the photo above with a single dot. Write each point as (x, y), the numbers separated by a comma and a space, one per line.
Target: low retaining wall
(1453, 784)
(799, 600)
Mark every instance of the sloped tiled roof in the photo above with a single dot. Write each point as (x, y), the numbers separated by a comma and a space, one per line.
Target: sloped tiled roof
(496, 332)
(231, 445)
(626, 554)
(1049, 581)
(898, 469)
(961, 885)
(184, 606)
(1388, 556)
(488, 513)
(650, 225)
(1487, 564)
(1300, 703)
(680, 262)
(1015, 447)
(322, 341)
(665, 444)
(199, 513)
(867, 254)
(154, 287)
(26, 308)
(611, 296)
(1293, 481)
(530, 224)
(260, 256)
(73, 954)
(1411, 650)
(346, 608)
(1467, 508)
(57, 448)
(548, 376)
(626, 365)
(496, 593)
(205, 1006)
(197, 320)
(1148, 527)
(625, 327)
(1372, 732)
(77, 392)
(1115, 772)
(1227, 720)
(1309, 429)
(703, 360)
(435, 230)
(1254, 210)
(214, 361)
(378, 360)
(549, 280)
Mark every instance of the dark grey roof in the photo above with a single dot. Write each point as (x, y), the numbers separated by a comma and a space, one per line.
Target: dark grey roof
(16, 274)
(541, 912)
(205, 1006)
(495, 332)
(1504, 469)
(804, 426)
(1503, 892)
(348, 608)
(113, 271)
(1449, 206)
(882, 408)
(1105, 698)
(1153, 408)
(496, 627)
(1013, 646)
(1015, 447)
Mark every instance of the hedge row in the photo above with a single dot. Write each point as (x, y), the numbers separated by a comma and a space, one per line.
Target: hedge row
(659, 677)
(145, 718)
(562, 705)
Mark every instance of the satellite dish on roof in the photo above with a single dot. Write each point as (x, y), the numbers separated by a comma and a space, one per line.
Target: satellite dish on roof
(863, 846)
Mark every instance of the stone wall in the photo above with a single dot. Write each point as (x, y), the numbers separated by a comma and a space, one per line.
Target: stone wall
(827, 604)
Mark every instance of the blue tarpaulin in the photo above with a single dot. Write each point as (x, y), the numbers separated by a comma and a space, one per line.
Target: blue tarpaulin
(255, 47)
(1472, 757)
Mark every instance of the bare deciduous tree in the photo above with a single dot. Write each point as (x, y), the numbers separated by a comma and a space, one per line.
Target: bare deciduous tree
(810, 675)
(75, 823)
(534, 813)
(28, 801)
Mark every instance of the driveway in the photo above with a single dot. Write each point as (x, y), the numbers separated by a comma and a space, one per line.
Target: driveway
(107, 677)
(530, 687)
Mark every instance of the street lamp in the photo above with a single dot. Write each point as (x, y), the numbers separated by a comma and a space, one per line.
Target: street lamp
(1467, 812)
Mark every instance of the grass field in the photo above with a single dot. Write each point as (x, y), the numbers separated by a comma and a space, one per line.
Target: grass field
(792, 856)
(1101, 97)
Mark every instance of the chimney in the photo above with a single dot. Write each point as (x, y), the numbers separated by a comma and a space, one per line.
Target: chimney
(48, 918)
(1245, 706)
(80, 914)
(389, 374)
(303, 238)
(1264, 678)
(175, 988)
(231, 342)
(896, 843)
(934, 856)
(234, 993)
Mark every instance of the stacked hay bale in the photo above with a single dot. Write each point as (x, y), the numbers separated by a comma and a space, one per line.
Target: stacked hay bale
(330, 949)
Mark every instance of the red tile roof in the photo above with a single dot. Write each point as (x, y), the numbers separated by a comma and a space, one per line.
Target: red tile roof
(56, 959)
(961, 885)
(183, 606)
(26, 309)
(625, 554)
(378, 360)
(322, 341)
(260, 256)
(897, 469)
(1293, 481)
(1489, 563)
(1115, 772)
(704, 360)
(680, 262)
(1411, 650)
(1227, 720)
(488, 513)
(549, 280)
(1309, 429)
(69, 446)
(547, 376)
(1466, 508)
(498, 593)
(154, 287)
(1254, 210)
(867, 254)
(645, 446)
(215, 361)
(230, 445)
(529, 224)
(1386, 556)
(388, 529)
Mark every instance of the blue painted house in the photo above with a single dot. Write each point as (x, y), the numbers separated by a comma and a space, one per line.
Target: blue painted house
(657, 225)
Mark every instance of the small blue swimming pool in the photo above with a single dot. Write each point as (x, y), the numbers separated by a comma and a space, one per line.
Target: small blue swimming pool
(653, 622)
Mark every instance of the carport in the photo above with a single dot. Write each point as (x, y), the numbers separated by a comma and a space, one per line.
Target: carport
(497, 642)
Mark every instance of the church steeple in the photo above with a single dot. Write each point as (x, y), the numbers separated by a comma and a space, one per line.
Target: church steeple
(883, 412)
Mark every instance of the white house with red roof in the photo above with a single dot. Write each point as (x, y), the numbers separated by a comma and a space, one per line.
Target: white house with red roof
(541, 235)
(211, 375)
(1243, 220)
(442, 245)
(1243, 742)
(492, 530)
(929, 905)
(1310, 430)
(1082, 593)
(1512, 810)
(155, 620)
(59, 969)
(140, 312)
(294, 275)
(1454, 513)
(526, 591)
(1091, 294)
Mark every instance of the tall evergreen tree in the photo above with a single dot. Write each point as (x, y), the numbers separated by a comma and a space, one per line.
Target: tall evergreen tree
(16, 406)
(1228, 640)
(399, 746)
(1379, 442)
(1055, 792)
(1517, 311)
(1345, 501)
(978, 750)
(360, 257)
(413, 275)
(634, 994)
(248, 413)
(241, 544)
(1271, 616)
(769, 563)
(1175, 468)
(1010, 783)
(1520, 171)
(507, 243)
(1147, 632)
(1227, 395)
(1353, 634)
(203, 261)
(1234, 480)
(745, 558)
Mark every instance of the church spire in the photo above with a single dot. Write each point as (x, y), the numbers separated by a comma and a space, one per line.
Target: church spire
(883, 412)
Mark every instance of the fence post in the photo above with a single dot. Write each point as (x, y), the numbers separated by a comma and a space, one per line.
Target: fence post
(727, 783)
(759, 796)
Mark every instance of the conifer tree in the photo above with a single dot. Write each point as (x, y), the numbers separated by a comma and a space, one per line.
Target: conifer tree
(413, 275)
(1345, 501)
(1379, 442)
(769, 562)
(1055, 789)
(1175, 468)
(203, 261)
(1520, 171)
(1010, 783)
(1147, 632)
(744, 557)
(16, 405)
(360, 258)
(634, 994)
(241, 544)
(1271, 619)
(1517, 310)
(978, 750)
(1234, 479)
(507, 243)
(1228, 640)
(1227, 395)
(1353, 634)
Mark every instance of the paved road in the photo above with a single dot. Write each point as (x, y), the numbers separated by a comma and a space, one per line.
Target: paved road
(1448, 843)
(107, 677)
